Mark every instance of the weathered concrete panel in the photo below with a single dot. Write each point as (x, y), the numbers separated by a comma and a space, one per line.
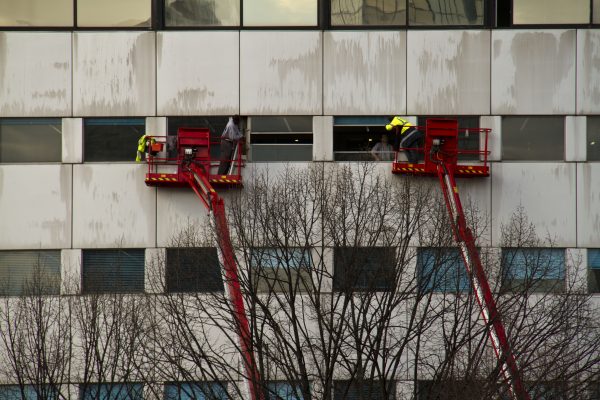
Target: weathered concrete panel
(588, 71)
(198, 73)
(35, 74)
(588, 205)
(575, 138)
(112, 206)
(545, 190)
(281, 73)
(72, 140)
(448, 72)
(178, 210)
(35, 206)
(114, 73)
(533, 71)
(70, 271)
(364, 72)
(323, 138)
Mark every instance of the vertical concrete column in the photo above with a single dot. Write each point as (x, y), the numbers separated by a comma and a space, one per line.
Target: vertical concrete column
(156, 126)
(72, 140)
(575, 138)
(155, 270)
(323, 138)
(493, 122)
(70, 271)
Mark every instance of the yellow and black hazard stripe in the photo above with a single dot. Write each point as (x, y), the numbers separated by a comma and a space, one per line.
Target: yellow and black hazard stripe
(221, 180)
(410, 169)
(161, 179)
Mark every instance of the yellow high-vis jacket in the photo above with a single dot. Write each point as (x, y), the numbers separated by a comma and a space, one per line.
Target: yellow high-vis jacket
(397, 121)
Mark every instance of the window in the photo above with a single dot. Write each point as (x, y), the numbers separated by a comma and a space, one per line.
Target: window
(193, 270)
(533, 138)
(276, 269)
(368, 12)
(445, 12)
(372, 390)
(596, 13)
(551, 12)
(114, 13)
(281, 138)
(283, 391)
(202, 13)
(364, 268)
(27, 392)
(534, 269)
(593, 259)
(111, 391)
(113, 271)
(441, 269)
(196, 391)
(216, 125)
(468, 138)
(111, 139)
(24, 140)
(280, 13)
(29, 272)
(354, 137)
(450, 389)
(36, 13)
(593, 138)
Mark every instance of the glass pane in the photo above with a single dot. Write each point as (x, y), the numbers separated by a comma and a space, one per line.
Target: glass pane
(283, 391)
(540, 269)
(112, 391)
(445, 12)
(202, 12)
(282, 124)
(593, 138)
(356, 142)
(196, 391)
(30, 140)
(113, 13)
(551, 12)
(193, 270)
(111, 139)
(368, 12)
(36, 13)
(113, 271)
(533, 138)
(364, 268)
(216, 125)
(280, 12)
(596, 11)
(31, 272)
(442, 269)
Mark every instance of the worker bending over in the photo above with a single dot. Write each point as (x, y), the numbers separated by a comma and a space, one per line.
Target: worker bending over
(406, 136)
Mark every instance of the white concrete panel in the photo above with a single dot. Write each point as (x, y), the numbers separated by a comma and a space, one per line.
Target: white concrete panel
(281, 73)
(198, 73)
(112, 206)
(178, 210)
(114, 73)
(533, 71)
(323, 138)
(35, 74)
(72, 140)
(575, 138)
(70, 271)
(494, 123)
(35, 206)
(156, 126)
(588, 71)
(547, 193)
(448, 72)
(588, 205)
(364, 72)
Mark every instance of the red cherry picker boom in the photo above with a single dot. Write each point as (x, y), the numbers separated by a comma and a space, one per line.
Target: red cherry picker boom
(188, 164)
(441, 153)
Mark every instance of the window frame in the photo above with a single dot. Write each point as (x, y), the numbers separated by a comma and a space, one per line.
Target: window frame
(131, 145)
(512, 159)
(118, 254)
(173, 283)
(348, 384)
(200, 384)
(460, 277)
(252, 133)
(343, 283)
(54, 278)
(531, 282)
(84, 387)
(34, 121)
(277, 278)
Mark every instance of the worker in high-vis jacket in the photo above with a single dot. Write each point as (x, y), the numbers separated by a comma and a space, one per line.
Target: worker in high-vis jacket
(407, 137)
(141, 149)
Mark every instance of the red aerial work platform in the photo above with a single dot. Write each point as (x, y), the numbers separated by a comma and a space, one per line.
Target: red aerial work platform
(440, 153)
(185, 161)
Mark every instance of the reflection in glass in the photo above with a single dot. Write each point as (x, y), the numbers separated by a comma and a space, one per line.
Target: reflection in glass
(445, 12)
(368, 12)
(36, 13)
(113, 13)
(596, 11)
(593, 138)
(533, 138)
(110, 139)
(30, 140)
(202, 12)
(280, 12)
(551, 12)
(281, 138)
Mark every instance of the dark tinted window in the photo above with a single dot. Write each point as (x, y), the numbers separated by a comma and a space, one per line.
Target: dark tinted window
(193, 270)
(281, 138)
(533, 269)
(111, 139)
(372, 390)
(111, 391)
(593, 138)
(445, 12)
(368, 12)
(196, 390)
(364, 268)
(202, 13)
(533, 138)
(441, 269)
(593, 259)
(354, 137)
(29, 272)
(119, 270)
(32, 140)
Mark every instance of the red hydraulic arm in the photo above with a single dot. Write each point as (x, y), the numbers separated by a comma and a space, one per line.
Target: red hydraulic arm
(198, 181)
(442, 145)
